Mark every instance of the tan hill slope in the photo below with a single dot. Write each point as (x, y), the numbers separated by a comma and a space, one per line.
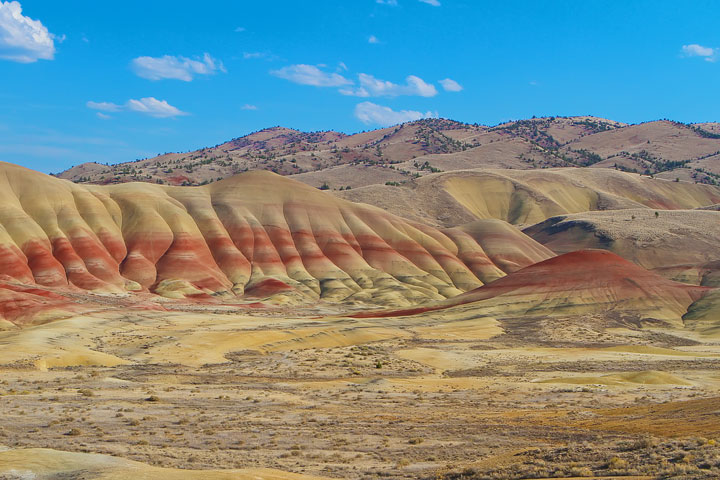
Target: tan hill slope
(525, 197)
(45, 463)
(398, 154)
(256, 234)
(680, 244)
(286, 152)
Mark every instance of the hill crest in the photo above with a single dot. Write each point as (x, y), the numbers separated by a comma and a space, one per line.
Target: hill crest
(398, 154)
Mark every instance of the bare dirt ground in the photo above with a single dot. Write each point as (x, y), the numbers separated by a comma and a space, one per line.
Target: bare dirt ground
(274, 393)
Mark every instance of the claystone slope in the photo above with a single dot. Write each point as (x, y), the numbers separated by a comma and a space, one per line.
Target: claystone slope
(254, 234)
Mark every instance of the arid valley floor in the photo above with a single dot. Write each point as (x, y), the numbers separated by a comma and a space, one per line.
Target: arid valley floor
(310, 392)
(500, 321)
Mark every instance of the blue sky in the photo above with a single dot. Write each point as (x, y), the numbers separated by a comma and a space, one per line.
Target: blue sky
(114, 81)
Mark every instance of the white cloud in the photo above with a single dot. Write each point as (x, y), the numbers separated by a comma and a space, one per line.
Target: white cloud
(103, 116)
(154, 107)
(388, 2)
(451, 85)
(258, 55)
(371, 113)
(148, 105)
(171, 67)
(240, 29)
(104, 106)
(416, 86)
(311, 75)
(373, 39)
(434, 3)
(354, 92)
(247, 106)
(23, 39)
(695, 50)
(374, 87)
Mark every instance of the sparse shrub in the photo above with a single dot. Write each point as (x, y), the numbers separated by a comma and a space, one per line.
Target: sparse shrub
(581, 472)
(644, 442)
(617, 463)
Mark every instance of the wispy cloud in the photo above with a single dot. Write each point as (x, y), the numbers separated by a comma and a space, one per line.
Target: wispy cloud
(371, 113)
(268, 56)
(374, 87)
(240, 29)
(154, 107)
(23, 39)
(451, 85)
(311, 75)
(366, 86)
(373, 39)
(149, 106)
(103, 116)
(694, 50)
(104, 106)
(177, 68)
(247, 106)
(394, 3)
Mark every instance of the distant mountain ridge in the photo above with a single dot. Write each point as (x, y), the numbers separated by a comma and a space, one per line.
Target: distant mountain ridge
(399, 154)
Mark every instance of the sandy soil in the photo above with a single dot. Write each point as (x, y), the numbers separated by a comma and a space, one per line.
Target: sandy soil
(299, 392)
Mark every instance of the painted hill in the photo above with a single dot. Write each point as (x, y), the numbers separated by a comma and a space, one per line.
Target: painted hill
(399, 154)
(704, 315)
(257, 234)
(679, 244)
(525, 197)
(581, 282)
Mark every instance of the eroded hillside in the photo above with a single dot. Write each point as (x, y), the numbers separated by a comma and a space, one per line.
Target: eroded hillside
(256, 234)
